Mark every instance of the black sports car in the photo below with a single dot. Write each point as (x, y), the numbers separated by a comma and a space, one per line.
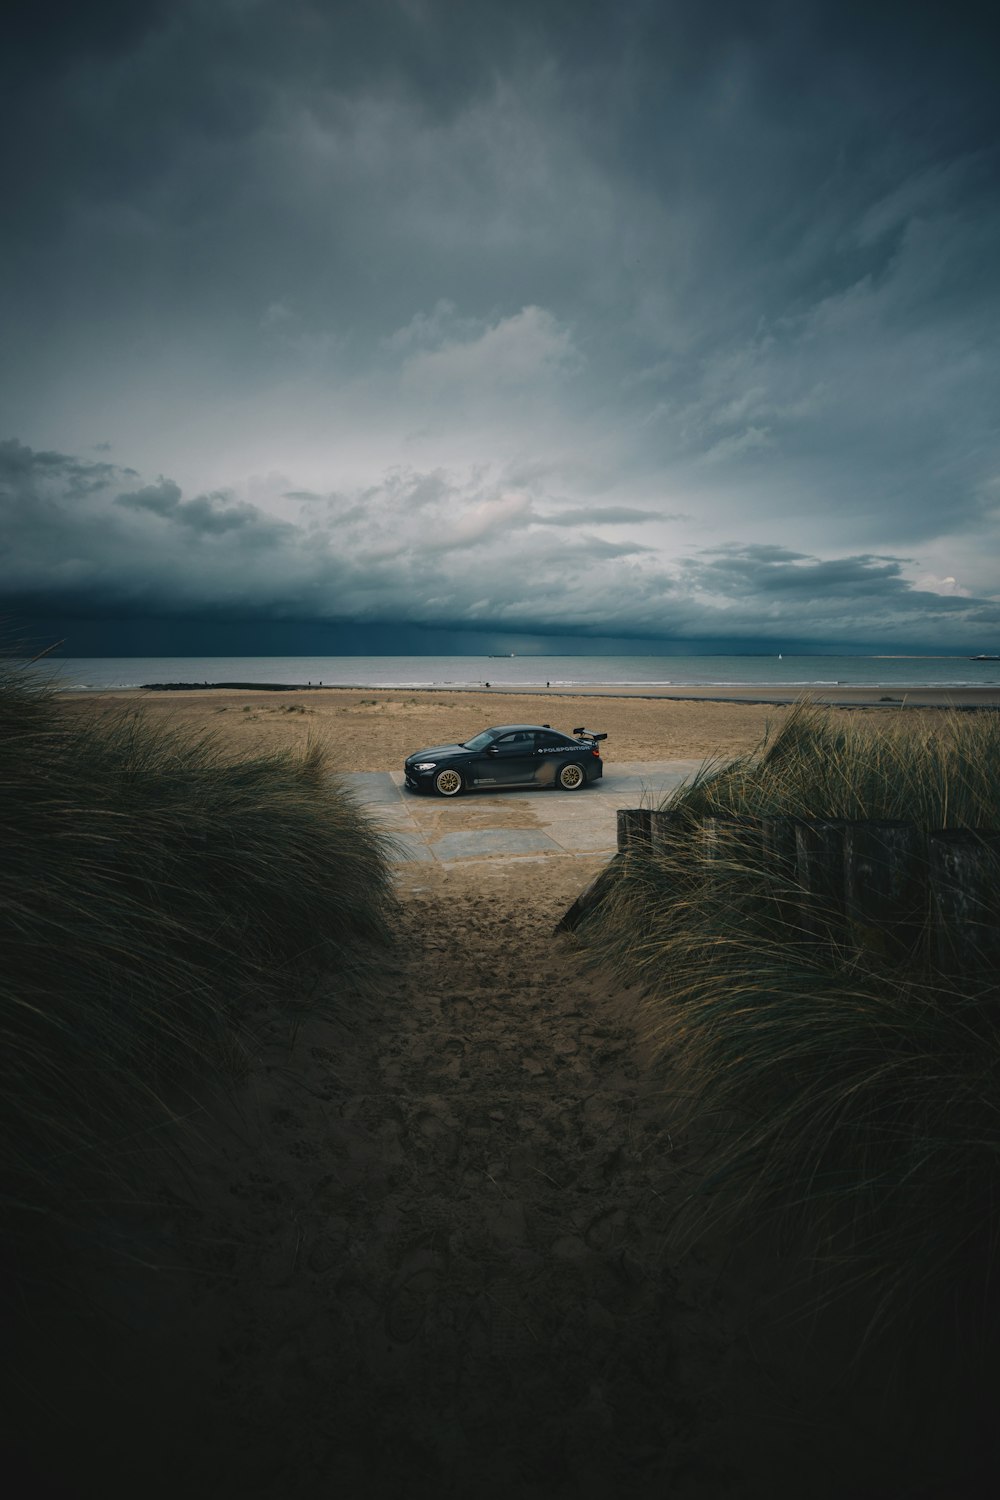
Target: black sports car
(508, 755)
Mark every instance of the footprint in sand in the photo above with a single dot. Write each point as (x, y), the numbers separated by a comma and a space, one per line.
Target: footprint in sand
(608, 1230)
(456, 1008)
(330, 1247)
(439, 1137)
(416, 1283)
(447, 1058)
(511, 1334)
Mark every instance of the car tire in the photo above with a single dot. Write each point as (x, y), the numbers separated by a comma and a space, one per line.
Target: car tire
(571, 776)
(448, 782)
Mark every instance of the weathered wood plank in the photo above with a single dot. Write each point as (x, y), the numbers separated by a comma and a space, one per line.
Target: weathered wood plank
(964, 875)
(633, 828)
(882, 886)
(819, 868)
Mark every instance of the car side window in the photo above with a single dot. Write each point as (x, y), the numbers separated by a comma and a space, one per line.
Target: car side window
(545, 740)
(511, 741)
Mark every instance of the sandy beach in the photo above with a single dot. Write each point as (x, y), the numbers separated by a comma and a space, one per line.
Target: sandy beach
(374, 730)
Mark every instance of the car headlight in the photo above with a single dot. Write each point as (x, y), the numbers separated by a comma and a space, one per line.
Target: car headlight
(425, 765)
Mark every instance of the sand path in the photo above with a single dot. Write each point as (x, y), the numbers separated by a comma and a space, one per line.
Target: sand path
(425, 1254)
(458, 1214)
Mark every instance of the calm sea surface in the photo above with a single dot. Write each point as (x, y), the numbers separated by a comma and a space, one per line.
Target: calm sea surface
(532, 671)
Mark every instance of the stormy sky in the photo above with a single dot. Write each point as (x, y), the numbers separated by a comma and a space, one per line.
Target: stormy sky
(541, 323)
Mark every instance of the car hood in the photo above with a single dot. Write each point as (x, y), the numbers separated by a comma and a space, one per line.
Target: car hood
(435, 753)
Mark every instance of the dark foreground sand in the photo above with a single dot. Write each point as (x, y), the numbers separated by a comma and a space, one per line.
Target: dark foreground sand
(426, 1254)
(426, 1250)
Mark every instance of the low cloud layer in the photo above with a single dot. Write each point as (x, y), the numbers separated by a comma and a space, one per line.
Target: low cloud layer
(434, 551)
(648, 319)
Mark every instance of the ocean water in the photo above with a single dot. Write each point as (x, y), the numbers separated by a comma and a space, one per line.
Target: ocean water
(530, 672)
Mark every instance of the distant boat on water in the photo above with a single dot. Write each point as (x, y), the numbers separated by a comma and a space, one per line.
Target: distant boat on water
(984, 658)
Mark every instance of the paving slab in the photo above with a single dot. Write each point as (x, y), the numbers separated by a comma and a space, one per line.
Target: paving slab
(410, 850)
(480, 842)
(477, 825)
(374, 786)
(577, 839)
(397, 815)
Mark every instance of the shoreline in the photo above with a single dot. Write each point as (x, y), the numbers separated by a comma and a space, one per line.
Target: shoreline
(960, 698)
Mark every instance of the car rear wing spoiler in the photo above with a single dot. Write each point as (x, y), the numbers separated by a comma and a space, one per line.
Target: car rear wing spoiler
(588, 734)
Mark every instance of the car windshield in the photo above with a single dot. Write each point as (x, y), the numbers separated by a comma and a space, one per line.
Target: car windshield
(480, 742)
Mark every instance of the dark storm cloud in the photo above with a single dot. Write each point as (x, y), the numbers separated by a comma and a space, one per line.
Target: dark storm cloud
(209, 515)
(412, 300)
(771, 570)
(27, 476)
(160, 499)
(722, 132)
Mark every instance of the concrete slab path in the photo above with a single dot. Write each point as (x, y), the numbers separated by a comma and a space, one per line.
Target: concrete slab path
(536, 823)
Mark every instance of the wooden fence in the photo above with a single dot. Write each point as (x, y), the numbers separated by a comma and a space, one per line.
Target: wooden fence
(877, 886)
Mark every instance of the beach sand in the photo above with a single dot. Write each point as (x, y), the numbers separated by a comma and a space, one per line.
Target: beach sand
(425, 1250)
(374, 730)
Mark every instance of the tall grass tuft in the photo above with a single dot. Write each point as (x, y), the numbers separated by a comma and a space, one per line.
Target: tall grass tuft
(855, 1096)
(153, 896)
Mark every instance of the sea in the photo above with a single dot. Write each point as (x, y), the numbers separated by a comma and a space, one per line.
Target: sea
(528, 672)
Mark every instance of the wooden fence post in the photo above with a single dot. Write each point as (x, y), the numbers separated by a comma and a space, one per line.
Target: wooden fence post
(964, 874)
(664, 829)
(881, 886)
(779, 860)
(633, 828)
(777, 847)
(819, 866)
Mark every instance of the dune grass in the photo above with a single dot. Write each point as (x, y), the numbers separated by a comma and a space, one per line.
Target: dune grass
(154, 898)
(848, 1103)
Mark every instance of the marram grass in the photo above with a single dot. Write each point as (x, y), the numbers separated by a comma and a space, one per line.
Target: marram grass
(154, 897)
(859, 1098)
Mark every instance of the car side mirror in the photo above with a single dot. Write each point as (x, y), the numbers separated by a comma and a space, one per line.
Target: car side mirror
(492, 750)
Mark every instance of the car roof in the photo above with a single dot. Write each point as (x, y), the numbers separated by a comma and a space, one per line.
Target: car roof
(509, 729)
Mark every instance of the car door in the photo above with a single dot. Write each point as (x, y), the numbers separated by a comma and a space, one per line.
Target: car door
(551, 752)
(508, 762)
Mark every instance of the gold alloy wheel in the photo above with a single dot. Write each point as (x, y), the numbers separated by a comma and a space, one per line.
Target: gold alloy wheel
(448, 783)
(570, 777)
